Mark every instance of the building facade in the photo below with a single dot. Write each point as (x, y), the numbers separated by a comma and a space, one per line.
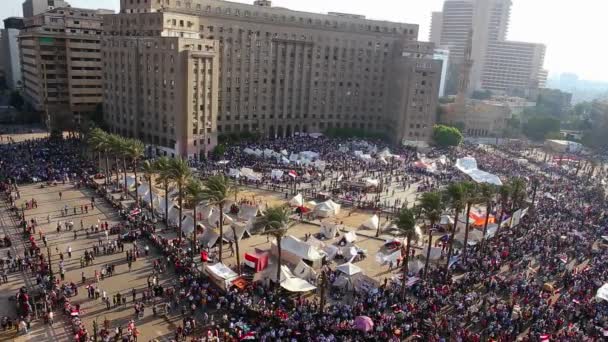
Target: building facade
(35, 7)
(283, 72)
(9, 48)
(499, 65)
(61, 64)
(443, 55)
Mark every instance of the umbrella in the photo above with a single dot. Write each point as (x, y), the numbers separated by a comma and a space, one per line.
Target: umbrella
(363, 323)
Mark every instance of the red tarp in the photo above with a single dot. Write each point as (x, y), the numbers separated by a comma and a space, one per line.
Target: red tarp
(257, 261)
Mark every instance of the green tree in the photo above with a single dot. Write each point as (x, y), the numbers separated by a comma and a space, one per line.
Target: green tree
(445, 136)
(487, 192)
(217, 191)
(161, 165)
(195, 194)
(406, 225)
(276, 222)
(431, 206)
(537, 128)
(149, 169)
(219, 151)
(179, 175)
(455, 195)
(99, 141)
(134, 149)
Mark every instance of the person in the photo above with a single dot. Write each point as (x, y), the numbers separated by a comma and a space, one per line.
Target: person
(60, 195)
(50, 317)
(22, 325)
(70, 250)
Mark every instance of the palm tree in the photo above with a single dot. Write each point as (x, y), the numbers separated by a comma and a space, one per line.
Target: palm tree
(194, 196)
(406, 224)
(179, 175)
(535, 185)
(456, 196)
(149, 169)
(518, 192)
(115, 147)
(217, 191)
(504, 192)
(99, 140)
(161, 165)
(472, 197)
(431, 207)
(486, 195)
(276, 223)
(134, 149)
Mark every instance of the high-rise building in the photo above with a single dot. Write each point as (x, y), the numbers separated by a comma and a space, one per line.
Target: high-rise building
(444, 56)
(9, 49)
(436, 24)
(61, 63)
(35, 7)
(499, 65)
(272, 71)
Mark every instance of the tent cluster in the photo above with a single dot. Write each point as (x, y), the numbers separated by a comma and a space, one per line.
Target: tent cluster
(308, 158)
(468, 166)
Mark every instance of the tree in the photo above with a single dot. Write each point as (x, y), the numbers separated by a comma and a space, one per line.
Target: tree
(456, 197)
(487, 192)
(179, 175)
(218, 151)
(115, 145)
(149, 169)
(16, 100)
(518, 192)
(406, 225)
(504, 193)
(445, 136)
(194, 196)
(99, 141)
(162, 167)
(134, 149)
(431, 207)
(276, 223)
(472, 197)
(217, 191)
(538, 127)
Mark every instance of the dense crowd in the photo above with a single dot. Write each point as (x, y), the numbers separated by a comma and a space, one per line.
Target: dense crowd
(534, 282)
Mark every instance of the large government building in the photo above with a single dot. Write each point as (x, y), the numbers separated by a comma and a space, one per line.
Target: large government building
(177, 74)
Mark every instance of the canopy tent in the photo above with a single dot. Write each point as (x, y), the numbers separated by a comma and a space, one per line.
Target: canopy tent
(435, 253)
(276, 174)
(602, 292)
(209, 238)
(475, 236)
(468, 166)
(234, 173)
(188, 225)
(304, 271)
(248, 151)
(313, 241)
(173, 215)
(383, 258)
(349, 269)
(257, 260)
(238, 228)
(130, 182)
(331, 251)
(372, 223)
(248, 212)
(446, 219)
(369, 182)
(297, 201)
(348, 238)
(250, 174)
(292, 283)
(414, 266)
(294, 250)
(143, 191)
(220, 274)
(329, 230)
(146, 198)
(214, 218)
(327, 209)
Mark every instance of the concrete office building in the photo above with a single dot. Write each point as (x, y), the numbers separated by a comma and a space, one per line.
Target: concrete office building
(35, 7)
(499, 65)
(279, 72)
(61, 63)
(9, 49)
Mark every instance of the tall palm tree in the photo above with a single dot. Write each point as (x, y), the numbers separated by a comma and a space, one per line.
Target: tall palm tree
(161, 165)
(179, 175)
(115, 147)
(149, 169)
(518, 192)
(504, 193)
(134, 149)
(194, 196)
(472, 197)
(217, 191)
(431, 207)
(486, 195)
(456, 197)
(99, 140)
(406, 224)
(276, 222)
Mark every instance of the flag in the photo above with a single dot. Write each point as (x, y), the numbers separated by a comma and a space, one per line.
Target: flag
(248, 336)
(293, 174)
(563, 258)
(545, 338)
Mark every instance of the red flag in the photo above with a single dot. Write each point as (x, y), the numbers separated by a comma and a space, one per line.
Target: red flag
(293, 174)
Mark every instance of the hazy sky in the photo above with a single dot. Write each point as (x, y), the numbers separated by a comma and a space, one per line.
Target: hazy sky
(571, 29)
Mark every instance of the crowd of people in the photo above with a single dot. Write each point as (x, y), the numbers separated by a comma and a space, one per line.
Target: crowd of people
(533, 282)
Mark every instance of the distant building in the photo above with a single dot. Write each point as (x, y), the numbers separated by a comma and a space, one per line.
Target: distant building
(499, 65)
(554, 102)
(35, 7)
(61, 63)
(9, 49)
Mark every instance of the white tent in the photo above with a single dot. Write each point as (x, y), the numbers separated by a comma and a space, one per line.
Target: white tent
(268, 153)
(209, 238)
(292, 283)
(276, 174)
(214, 218)
(327, 209)
(372, 223)
(414, 266)
(294, 250)
(173, 215)
(331, 251)
(297, 201)
(384, 259)
(329, 230)
(240, 229)
(188, 225)
(348, 238)
(143, 190)
(446, 219)
(250, 174)
(247, 212)
(130, 182)
(468, 165)
(248, 151)
(220, 274)
(234, 173)
(304, 271)
(435, 253)
(349, 269)
(371, 182)
(602, 292)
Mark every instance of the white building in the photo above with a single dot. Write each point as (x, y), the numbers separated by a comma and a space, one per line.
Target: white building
(444, 56)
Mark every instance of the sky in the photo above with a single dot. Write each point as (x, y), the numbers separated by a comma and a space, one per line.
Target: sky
(569, 28)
